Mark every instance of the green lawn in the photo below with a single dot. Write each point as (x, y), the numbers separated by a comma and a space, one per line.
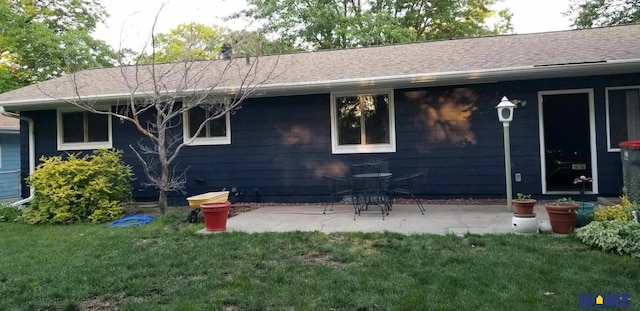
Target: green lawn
(167, 266)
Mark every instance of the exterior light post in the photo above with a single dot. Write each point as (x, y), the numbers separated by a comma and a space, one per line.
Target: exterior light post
(505, 115)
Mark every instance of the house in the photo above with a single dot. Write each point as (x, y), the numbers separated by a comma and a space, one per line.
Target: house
(9, 158)
(423, 106)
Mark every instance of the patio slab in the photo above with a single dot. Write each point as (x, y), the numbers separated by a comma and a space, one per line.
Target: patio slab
(406, 219)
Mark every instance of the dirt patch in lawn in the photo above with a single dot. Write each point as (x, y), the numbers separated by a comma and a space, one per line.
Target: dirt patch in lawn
(320, 259)
(472, 245)
(100, 303)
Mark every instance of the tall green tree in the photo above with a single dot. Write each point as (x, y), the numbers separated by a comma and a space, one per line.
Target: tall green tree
(254, 43)
(598, 13)
(41, 39)
(203, 42)
(194, 40)
(326, 24)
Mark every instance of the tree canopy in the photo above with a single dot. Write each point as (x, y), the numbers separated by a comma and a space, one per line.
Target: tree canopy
(40, 39)
(326, 24)
(598, 13)
(203, 42)
(194, 40)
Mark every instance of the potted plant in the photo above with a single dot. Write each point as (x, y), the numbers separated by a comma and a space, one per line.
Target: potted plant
(524, 204)
(524, 220)
(562, 215)
(585, 209)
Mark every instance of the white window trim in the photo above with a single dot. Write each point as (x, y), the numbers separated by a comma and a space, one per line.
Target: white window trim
(62, 146)
(368, 148)
(606, 93)
(592, 133)
(201, 141)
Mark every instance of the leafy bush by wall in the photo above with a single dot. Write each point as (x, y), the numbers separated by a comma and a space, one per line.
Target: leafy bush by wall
(9, 213)
(92, 187)
(614, 212)
(622, 237)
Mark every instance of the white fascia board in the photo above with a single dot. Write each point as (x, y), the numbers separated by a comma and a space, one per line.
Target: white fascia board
(9, 130)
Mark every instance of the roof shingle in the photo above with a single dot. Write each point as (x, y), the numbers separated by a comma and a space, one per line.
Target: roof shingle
(445, 56)
(9, 122)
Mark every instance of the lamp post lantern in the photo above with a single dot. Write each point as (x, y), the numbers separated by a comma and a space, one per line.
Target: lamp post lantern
(505, 115)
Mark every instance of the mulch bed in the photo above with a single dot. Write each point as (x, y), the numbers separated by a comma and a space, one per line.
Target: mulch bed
(239, 208)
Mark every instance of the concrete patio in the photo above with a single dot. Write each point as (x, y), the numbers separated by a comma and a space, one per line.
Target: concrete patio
(406, 219)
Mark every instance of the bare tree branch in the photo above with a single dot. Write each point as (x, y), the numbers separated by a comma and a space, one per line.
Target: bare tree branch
(160, 95)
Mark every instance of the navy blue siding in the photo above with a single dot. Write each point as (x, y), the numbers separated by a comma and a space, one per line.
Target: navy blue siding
(281, 146)
(9, 165)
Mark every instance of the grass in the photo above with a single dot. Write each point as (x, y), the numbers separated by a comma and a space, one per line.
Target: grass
(166, 266)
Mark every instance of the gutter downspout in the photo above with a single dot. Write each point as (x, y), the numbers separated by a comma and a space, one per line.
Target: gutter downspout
(32, 151)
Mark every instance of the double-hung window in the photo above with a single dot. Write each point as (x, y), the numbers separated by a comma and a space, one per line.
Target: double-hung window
(623, 115)
(83, 130)
(363, 122)
(214, 132)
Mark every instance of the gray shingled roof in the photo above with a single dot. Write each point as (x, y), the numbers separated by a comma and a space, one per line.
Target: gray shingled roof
(521, 56)
(7, 122)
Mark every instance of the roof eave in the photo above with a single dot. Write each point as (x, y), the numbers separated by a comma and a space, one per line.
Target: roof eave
(9, 129)
(404, 81)
(459, 77)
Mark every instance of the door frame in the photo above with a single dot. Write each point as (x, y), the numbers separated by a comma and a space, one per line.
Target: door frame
(592, 134)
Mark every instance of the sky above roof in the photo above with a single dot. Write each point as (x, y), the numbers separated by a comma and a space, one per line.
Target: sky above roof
(131, 21)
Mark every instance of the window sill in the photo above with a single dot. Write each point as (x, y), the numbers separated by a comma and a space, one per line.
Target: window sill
(85, 146)
(211, 141)
(382, 148)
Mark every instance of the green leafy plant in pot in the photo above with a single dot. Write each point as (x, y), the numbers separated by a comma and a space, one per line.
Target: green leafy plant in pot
(524, 204)
(562, 215)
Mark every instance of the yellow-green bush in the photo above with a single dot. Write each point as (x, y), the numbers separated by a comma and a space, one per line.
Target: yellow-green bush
(615, 212)
(93, 187)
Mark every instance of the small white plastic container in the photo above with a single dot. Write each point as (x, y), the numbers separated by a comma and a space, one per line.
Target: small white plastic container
(524, 224)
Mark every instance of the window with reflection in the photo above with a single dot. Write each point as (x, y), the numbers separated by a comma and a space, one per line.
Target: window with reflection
(81, 130)
(214, 132)
(623, 115)
(362, 123)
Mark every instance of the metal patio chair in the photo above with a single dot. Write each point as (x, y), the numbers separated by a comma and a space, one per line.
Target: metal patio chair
(381, 163)
(338, 187)
(405, 185)
(370, 187)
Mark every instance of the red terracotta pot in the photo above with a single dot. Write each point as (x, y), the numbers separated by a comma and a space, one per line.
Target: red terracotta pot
(524, 206)
(215, 215)
(562, 217)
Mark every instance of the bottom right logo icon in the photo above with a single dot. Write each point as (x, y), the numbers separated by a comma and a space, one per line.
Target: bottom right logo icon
(597, 301)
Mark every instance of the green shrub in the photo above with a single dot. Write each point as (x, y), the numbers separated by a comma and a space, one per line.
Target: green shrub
(93, 187)
(614, 212)
(622, 237)
(9, 213)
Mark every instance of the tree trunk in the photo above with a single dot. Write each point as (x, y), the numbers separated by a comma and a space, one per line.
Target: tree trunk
(162, 201)
(165, 179)
(165, 185)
